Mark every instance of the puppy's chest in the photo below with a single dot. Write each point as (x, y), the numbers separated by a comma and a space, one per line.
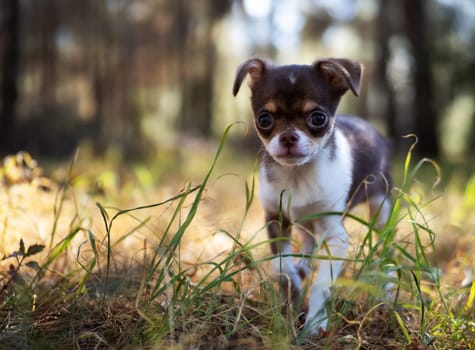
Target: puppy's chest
(319, 185)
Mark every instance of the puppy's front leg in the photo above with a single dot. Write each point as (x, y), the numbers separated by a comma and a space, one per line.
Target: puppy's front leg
(307, 238)
(283, 265)
(335, 246)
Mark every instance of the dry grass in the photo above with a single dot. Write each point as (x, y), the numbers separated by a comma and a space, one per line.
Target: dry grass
(124, 287)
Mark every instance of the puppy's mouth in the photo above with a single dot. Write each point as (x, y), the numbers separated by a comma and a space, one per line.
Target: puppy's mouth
(291, 156)
(289, 153)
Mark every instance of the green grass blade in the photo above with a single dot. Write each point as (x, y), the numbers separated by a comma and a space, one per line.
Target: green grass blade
(471, 298)
(60, 248)
(403, 328)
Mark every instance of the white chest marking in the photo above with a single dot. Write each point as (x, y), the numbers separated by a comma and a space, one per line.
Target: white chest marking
(322, 184)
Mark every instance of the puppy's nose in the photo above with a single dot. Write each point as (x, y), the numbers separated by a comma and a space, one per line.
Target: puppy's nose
(288, 138)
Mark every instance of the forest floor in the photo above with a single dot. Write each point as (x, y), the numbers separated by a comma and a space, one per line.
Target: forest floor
(188, 265)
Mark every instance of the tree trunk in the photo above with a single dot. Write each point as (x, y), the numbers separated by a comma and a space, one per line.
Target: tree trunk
(425, 118)
(9, 57)
(197, 94)
(383, 35)
(48, 51)
(198, 62)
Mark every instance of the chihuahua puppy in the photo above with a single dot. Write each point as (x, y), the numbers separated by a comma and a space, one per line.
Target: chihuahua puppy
(313, 162)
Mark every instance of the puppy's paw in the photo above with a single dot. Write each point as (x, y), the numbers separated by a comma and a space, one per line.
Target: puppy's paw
(317, 325)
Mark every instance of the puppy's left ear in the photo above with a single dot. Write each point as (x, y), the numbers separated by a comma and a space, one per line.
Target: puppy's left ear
(341, 73)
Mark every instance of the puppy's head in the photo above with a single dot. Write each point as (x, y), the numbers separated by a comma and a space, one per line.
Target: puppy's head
(294, 106)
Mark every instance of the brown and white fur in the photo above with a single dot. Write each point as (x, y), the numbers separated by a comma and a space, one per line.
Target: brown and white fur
(313, 162)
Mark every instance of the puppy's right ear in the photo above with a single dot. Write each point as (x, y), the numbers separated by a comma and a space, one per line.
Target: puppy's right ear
(255, 67)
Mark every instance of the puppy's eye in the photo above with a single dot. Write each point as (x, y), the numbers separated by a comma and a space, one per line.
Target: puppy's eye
(265, 121)
(317, 120)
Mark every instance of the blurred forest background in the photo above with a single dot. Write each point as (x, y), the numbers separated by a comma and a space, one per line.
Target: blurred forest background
(141, 76)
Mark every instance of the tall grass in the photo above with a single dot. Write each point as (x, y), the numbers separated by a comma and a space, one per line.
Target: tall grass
(159, 303)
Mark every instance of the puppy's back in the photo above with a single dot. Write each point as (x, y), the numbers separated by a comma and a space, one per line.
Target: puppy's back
(371, 159)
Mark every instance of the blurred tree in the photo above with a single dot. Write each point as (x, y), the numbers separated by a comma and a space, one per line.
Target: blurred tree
(94, 64)
(470, 72)
(384, 32)
(458, 53)
(48, 16)
(425, 116)
(9, 58)
(114, 77)
(198, 59)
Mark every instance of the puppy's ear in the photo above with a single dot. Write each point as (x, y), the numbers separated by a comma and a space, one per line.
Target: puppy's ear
(255, 67)
(341, 73)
